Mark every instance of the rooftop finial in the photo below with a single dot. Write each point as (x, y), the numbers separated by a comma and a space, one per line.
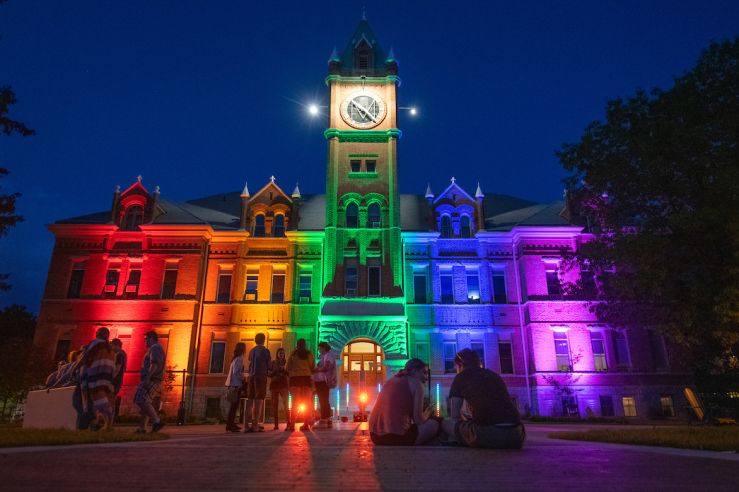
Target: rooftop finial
(139, 178)
(296, 191)
(272, 179)
(245, 191)
(334, 55)
(429, 193)
(156, 189)
(453, 180)
(117, 188)
(479, 193)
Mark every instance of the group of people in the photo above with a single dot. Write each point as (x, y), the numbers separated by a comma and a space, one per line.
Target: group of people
(96, 371)
(482, 413)
(298, 374)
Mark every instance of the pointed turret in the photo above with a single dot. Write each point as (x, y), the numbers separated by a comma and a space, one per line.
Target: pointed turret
(245, 191)
(296, 192)
(480, 198)
(154, 203)
(391, 63)
(114, 206)
(244, 219)
(295, 215)
(363, 54)
(430, 219)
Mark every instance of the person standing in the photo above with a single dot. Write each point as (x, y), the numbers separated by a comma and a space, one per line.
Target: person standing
(121, 360)
(259, 359)
(491, 419)
(150, 387)
(234, 382)
(300, 367)
(278, 386)
(96, 368)
(398, 418)
(324, 377)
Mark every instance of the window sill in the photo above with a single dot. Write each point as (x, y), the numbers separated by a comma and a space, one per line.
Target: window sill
(363, 175)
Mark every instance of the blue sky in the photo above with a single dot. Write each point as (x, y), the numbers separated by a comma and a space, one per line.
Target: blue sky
(200, 96)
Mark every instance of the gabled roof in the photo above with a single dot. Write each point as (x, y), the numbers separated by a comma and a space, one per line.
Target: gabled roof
(363, 32)
(452, 192)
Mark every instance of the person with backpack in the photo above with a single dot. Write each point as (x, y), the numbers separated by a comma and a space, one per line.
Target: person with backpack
(324, 377)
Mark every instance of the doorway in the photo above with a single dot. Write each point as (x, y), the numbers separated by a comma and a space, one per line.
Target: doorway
(362, 364)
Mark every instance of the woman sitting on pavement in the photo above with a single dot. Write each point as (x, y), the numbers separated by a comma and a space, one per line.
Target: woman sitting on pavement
(398, 417)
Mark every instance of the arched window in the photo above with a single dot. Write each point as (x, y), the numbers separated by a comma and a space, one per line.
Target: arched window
(363, 55)
(446, 226)
(133, 217)
(352, 216)
(373, 216)
(278, 227)
(464, 226)
(259, 225)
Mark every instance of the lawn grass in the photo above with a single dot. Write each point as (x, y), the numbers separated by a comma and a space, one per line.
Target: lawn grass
(707, 438)
(14, 437)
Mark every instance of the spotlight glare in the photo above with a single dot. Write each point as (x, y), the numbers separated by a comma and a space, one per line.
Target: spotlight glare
(414, 111)
(313, 109)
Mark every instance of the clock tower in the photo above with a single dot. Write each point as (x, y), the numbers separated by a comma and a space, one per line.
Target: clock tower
(362, 272)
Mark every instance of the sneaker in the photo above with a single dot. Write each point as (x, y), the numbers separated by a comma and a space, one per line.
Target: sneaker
(140, 431)
(157, 426)
(233, 428)
(276, 427)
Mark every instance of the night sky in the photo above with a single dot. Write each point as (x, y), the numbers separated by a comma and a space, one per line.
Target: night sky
(200, 96)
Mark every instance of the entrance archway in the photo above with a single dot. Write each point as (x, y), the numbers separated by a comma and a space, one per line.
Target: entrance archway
(362, 365)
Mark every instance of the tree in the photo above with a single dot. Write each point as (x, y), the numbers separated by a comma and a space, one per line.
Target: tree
(657, 183)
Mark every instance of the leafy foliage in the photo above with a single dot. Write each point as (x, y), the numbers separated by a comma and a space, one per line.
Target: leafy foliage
(657, 183)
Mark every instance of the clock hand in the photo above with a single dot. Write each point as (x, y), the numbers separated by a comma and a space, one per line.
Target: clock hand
(364, 110)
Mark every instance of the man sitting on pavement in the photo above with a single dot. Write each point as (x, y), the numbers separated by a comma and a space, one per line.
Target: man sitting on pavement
(489, 419)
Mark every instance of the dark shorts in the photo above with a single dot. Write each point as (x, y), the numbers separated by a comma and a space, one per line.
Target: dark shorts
(257, 388)
(501, 436)
(301, 382)
(147, 392)
(407, 439)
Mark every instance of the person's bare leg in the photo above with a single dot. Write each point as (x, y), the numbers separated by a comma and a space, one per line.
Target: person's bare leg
(427, 431)
(258, 409)
(249, 417)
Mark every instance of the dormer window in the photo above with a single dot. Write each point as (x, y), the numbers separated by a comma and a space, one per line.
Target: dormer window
(352, 216)
(373, 216)
(363, 56)
(465, 230)
(278, 227)
(446, 226)
(259, 225)
(133, 217)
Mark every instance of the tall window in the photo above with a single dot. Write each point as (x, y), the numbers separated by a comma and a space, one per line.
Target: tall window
(668, 407)
(479, 349)
(259, 225)
(562, 352)
(473, 287)
(112, 276)
(350, 282)
(499, 293)
(278, 287)
(223, 295)
(132, 284)
(450, 351)
(554, 288)
(169, 283)
(133, 217)
(75, 280)
(305, 278)
(657, 347)
(252, 284)
(599, 351)
(465, 230)
(505, 349)
(352, 216)
(629, 403)
(446, 226)
(374, 281)
(217, 357)
(606, 406)
(447, 287)
(373, 216)
(278, 226)
(363, 57)
(419, 287)
(621, 349)
(587, 279)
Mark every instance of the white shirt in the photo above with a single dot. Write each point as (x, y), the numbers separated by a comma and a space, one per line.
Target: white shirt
(236, 373)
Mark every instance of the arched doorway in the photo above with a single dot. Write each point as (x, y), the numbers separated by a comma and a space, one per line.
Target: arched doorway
(362, 364)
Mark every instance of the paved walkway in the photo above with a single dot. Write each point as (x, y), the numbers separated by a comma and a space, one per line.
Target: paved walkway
(204, 457)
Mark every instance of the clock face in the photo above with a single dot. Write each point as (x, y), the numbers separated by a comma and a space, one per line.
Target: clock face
(363, 110)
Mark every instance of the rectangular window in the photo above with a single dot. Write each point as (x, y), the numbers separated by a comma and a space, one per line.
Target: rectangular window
(554, 288)
(373, 281)
(479, 348)
(111, 281)
(668, 409)
(350, 283)
(505, 349)
(356, 165)
(599, 351)
(370, 166)
(657, 347)
(252, 284)
(562, 352)
(447, 287)
(132, 284)
(621, 349)
(473, 287)
(217, 357)
(629, 403)
(499, 294)
(305, 286)
(419, 287)
(587, 281)
(569, 406)
(606, 406)
(223, 295)
(169, 283)
(422, 352)
(75, 281)
(450, 351)
(278, 287)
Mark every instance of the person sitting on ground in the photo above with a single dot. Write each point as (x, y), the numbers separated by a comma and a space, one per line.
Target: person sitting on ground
(324, 377)
(256, 391)
(398, 417)
(234, 382)
(489, 418)
(300, 367)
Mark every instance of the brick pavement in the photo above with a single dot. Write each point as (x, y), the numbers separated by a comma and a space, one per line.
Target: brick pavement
(204, 457)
